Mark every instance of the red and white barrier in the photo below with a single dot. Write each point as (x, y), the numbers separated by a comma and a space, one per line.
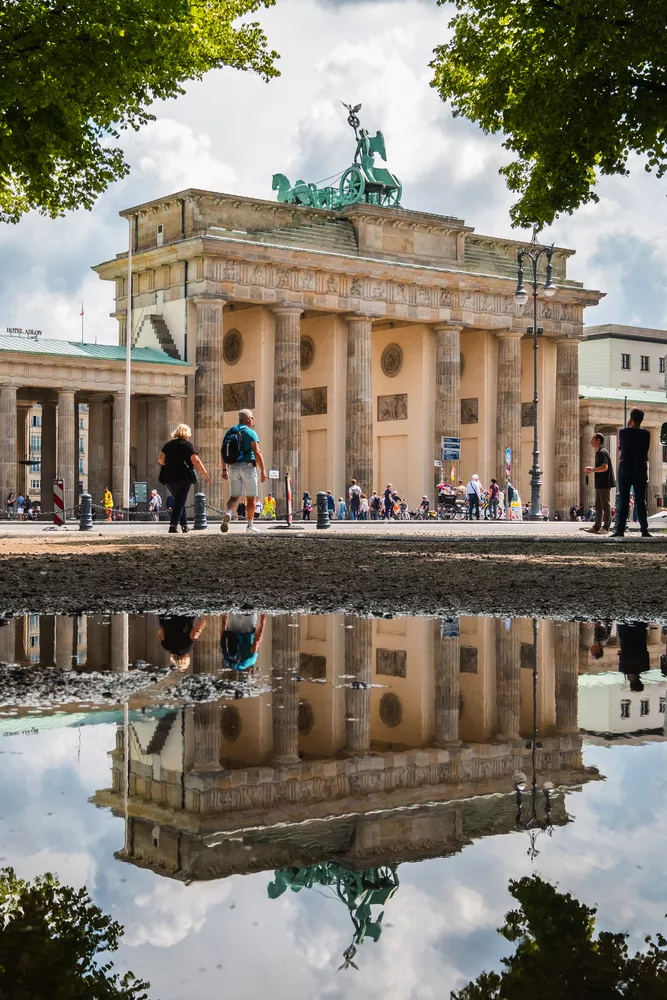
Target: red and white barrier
(288, 497)
(58, 501)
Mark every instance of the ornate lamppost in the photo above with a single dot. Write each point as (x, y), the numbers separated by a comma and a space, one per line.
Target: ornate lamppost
(533, 254)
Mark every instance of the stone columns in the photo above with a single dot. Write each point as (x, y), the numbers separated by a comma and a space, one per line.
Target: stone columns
(23, 449)
(174, 416)
(8, 642)
(120, 643)
(209, 406)
(287, 397)
(655, 480)
(508, 405)
(358, 670)
(117, 449)
(96, 463)
(285, 697)
(207, 717)
(67, 467)
(8, 473)
(47, 468)
(566, 657)
(508, 680)
(157, 433)
(64, 642)
(566, 465)
(359, 413)
(47, 641)
(447, 388)
(586, 457)
(447, 666)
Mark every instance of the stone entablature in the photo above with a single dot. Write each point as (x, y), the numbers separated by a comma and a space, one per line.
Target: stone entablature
(91, 376)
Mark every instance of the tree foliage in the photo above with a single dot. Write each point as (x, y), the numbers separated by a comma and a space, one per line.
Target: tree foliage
(558, 956)
(574, 85)
(50, 935)
(77, 72)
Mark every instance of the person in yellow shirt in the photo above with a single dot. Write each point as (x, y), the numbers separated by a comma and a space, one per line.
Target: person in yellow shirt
(108, 504)
(269, 508)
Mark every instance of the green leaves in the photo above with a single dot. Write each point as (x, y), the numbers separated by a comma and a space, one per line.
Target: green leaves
(574, 86)
(76, 72)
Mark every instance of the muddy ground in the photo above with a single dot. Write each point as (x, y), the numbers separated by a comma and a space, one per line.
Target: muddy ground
(581, 577)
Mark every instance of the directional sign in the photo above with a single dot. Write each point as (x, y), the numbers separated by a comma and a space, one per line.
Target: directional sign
(437, 463)
(508, 460)
(450, 440)
(141, 492)
(449, 628)
(274, 473)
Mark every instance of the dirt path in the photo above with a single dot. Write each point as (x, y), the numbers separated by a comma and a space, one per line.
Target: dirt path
(584, 577)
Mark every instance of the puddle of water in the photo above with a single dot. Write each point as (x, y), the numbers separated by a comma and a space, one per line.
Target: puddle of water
(261, 800)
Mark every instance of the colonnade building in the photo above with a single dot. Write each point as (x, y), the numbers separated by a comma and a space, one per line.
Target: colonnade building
(360, 338)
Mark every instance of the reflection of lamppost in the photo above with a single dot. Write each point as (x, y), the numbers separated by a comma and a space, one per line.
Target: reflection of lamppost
(534, 253)
(534, 823)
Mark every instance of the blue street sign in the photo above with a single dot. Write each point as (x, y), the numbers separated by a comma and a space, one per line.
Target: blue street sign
(449, 440)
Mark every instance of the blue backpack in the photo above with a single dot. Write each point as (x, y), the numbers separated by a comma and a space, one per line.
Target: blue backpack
(233, 446)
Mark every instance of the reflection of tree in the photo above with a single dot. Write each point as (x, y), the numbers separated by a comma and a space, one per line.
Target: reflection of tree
(50, 935)
(359, 890)
(558, 957)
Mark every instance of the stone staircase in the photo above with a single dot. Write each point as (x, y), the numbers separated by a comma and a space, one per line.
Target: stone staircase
(161, 331)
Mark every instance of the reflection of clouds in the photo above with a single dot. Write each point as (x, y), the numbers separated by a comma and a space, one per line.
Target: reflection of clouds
(169, 911)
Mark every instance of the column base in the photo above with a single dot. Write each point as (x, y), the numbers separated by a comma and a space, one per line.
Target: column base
(447, 744)
(284, 761)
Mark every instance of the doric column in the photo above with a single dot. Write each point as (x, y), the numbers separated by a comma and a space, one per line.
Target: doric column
(64, 642)
(508, 404)
(174, 415)
(23, 449)
(586, 457)
(359, 414)
(358, 669)
(47, 641)
(447, 387)
(8, 443)
(655, 480)
(508, 679)
(566, 657)
(447, 667)
(8, 642)
(97, 645)
(287, 397)
(566, 465)
(157, 433)
(117, 448)
(67, 466)
(120, 643)
(209, 406)
(207, 717)
(96, 463)
(285, 696)
(47, 467)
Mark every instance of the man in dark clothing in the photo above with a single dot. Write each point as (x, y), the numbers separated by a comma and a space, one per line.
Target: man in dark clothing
(633, 655)
(604, 484)
(633, 443)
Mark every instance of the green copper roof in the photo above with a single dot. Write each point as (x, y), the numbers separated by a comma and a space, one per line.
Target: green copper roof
(618, 395)
(95, 352)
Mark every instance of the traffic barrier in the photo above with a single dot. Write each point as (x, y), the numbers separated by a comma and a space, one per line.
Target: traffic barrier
(200, 512)
(323, 520)
(86, 516)
(58, 501)
(288, 500)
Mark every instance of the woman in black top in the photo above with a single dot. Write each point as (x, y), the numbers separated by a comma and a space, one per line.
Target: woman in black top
(179, 459)
(178, 634)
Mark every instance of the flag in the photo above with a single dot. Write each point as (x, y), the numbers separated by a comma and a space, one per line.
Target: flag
(81, 313)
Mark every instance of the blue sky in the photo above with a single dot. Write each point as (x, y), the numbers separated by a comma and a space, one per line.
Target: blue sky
(231, 132)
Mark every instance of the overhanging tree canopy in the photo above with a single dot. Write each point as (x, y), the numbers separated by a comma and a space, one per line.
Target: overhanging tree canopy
(574, 85)
(76, 72)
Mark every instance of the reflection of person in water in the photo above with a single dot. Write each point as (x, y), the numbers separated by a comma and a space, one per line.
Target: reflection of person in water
(178, 634)
(633, 656)
(601, 635)
(240, 639)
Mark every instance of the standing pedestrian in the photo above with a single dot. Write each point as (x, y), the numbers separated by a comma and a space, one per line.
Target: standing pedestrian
(155, 505)
(20, 506)
(342, 509)
(354, 498)
(10, 503)
(241, 456)
(494, 496)
(108, 504)
(331, 505)
(374, 505)
(388, 498)
(179, 459)
(240, 638)
(473, 495)
(633, 442)
(269, 508)
(178, 634)
(365, 508)
(604, 484)
(306, 506)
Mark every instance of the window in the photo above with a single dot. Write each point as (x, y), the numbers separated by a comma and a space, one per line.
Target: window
(35, 484)
(35, 421)
(35, 442)
(35, 467)
(81, 446)
(661, 706)
(159, 235)
(625, 708)
(661, 365)
(664, 452)
(80, 423)
(34, 620)
(644, 362)
(625, 362)
(80, 466)
(643, 706)
(34, 641)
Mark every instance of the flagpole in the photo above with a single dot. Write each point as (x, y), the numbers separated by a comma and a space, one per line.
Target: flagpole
(82, 322)
(128, 374)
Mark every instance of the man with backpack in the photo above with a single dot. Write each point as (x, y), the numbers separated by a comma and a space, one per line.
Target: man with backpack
(240, 638)
(241, 457)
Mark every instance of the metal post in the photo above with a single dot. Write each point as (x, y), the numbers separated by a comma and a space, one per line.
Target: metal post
(323, 520)
(200, 512)
(128, 377)
(86, 518)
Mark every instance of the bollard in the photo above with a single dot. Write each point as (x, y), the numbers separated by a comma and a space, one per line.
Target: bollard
(58, 502)
(86, 518)
(200, 512)
(323, 511)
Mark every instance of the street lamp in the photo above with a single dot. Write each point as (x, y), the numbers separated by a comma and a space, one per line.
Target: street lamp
(534, 254)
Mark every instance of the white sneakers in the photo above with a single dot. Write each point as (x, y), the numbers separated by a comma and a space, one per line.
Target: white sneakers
(251, 529)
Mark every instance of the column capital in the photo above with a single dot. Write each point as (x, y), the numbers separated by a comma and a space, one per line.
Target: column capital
(210, 300)
(447, 327)
(567, 340)
(288, 309)
(358, 316)
(510, 334)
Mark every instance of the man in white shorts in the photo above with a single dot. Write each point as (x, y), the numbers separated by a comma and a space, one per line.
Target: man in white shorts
(241, 460)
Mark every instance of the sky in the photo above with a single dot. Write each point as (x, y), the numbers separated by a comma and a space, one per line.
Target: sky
(231, 132)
